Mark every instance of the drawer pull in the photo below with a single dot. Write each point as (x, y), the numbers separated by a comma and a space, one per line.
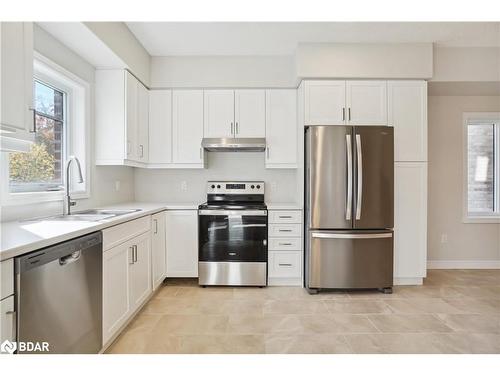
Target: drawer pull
(285, 264)
(284, 230)
(285, 217)
(286, 244)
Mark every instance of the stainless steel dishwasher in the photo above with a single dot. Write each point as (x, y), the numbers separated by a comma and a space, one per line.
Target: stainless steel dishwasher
(59, 295)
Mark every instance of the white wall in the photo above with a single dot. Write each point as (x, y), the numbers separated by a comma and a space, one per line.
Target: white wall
(164, 185)
(223, 71)
(103, 178)
(466, 242)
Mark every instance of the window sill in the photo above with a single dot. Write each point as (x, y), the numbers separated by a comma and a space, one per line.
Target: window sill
(481, 220)
(21, 199)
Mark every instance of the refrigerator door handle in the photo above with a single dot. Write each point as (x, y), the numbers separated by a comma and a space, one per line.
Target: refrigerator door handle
(359, 198)
(351, 235)
(348, 205)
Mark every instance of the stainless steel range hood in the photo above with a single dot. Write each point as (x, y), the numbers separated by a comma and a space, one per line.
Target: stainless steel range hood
(234, 144)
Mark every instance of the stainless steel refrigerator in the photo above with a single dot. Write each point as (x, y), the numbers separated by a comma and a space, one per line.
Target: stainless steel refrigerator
(349, 198)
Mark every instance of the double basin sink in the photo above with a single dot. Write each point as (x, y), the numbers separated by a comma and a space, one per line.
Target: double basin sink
(89, 215)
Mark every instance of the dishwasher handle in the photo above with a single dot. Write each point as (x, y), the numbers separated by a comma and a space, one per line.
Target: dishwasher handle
(71, 258)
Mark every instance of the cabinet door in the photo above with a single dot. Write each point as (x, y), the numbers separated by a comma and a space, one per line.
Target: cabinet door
(17, 78)
(410, 220)
(7, 320)
(160, 126)
(116, 296)
(158, 248)
(219, 113)
(140, 271)
(142, 123)
(131, 86)
(325, 103)
(182, 243)
(250, 113)
(407, 106)
(366, 102)
(281, 129)
(187, 127)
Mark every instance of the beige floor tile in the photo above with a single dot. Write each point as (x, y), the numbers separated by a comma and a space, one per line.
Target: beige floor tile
(191, 325)
(475, 323)
(469, 343)
(222, 344)
(408, 323)
(421, 305)
(475, 305)
(336, 323)
(294, 307)
(362, 306)
(306, 344)
(261, 324)
(385, 343)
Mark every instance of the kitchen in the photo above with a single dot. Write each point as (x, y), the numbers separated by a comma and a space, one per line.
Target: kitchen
(238, 201)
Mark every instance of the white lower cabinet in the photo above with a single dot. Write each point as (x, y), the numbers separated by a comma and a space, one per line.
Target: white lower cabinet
(285, 255)
(410, 222)
(158, 248)
(126, 281)
(7, 320)
(182, 243)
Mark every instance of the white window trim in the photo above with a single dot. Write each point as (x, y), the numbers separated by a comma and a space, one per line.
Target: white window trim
(77, 101)
(469, 117)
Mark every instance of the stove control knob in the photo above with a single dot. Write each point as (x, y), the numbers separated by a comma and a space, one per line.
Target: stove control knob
(253, 186)
(213, 186)
(258, 186)
(218, 186)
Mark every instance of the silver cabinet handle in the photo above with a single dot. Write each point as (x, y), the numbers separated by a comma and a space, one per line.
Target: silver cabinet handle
(156, 226)
(232, 129)
(350, 235)
(132, 254)
(237, 128)
(285, 264)
(285, 217)
(349, 112)
(285, 244)
(343, 113)
(359, 199)
(14, 323)
(284, 230)
(348, 203)
(267, 151)
(201, 150)
(142, 150)
(135, 252)
(33, 129)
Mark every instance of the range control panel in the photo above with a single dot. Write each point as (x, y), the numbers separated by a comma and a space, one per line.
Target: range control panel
(235, 187)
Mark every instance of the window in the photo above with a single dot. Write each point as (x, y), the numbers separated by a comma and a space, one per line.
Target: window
(482, 165)
(62, 113)
(41, 168)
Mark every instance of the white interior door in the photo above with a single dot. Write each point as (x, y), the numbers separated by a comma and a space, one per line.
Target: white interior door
(187, 127)
(219, 113)
(250, 113)
(366, 102)
(325, 102)
(160, 126)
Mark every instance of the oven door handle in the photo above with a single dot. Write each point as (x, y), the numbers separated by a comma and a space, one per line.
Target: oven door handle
(232, 212)
(248, 225)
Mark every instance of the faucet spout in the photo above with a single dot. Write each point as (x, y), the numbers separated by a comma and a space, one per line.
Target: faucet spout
(69, 202)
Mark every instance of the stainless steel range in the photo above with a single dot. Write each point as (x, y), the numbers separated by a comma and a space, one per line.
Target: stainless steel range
(232, 234)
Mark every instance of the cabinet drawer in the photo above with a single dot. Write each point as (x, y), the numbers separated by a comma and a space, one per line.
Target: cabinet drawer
(7, 281)
(285, 264)
(118, 234)
(285, 243)
(284, 230)
(285, 217)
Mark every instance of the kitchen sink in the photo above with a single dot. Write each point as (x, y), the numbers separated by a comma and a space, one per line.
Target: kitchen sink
(88, 215)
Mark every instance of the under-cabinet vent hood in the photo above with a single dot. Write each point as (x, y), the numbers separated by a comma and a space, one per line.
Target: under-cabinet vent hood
(234, 144)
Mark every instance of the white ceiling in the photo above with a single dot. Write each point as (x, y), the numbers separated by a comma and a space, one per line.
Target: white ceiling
(281, 38)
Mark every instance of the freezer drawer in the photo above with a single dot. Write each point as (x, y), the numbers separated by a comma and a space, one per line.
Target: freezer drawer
(349, 260)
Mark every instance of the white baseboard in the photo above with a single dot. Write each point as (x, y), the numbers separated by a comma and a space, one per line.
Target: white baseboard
(408, 280)
(463, 264)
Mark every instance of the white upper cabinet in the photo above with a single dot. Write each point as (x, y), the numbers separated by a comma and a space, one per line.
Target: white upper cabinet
(366, 102)
(325, 102)
(187, 128)
(281, 128)
(160, 127)
(407, 106)
(122, 124)
(250, 113)
(219, 114)
(16, 86)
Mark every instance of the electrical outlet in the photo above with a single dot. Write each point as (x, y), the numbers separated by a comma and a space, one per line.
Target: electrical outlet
(444, 238)
(184, 186)
(117, 185)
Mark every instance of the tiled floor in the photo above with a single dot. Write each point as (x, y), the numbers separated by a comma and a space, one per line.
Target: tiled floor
(456, 311)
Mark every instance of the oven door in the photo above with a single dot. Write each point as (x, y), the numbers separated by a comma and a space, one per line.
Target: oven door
(232, 236)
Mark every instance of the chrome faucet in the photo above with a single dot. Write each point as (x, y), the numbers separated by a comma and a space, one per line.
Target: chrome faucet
(69, 202)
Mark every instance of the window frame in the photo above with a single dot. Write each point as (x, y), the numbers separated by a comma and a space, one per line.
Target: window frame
(76, 135)
(469, 119)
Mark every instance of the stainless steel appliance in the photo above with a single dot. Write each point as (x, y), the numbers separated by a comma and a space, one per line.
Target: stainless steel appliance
(59, 296)
(349, 207)
(232, 234)
(234, 144)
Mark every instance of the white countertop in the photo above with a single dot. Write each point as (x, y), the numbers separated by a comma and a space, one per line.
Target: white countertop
(20, 237)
